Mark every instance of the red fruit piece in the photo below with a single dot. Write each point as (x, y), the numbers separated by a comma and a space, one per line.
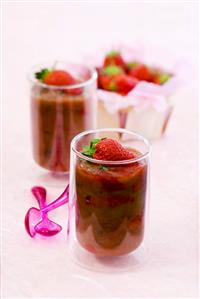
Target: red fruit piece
(131, 65)
(121, 83)
(114, 58)
(141, 72)
(59, 78)
(155, 79)
(106, 75)
(98, 69)
(106, 82)
(125, 83)
(74, 91)
(111, 150)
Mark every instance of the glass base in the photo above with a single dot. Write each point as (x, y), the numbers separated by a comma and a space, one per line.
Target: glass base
(92, 262)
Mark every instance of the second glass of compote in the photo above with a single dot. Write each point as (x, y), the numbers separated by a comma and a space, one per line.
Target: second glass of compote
(63, 104)
(108, 198)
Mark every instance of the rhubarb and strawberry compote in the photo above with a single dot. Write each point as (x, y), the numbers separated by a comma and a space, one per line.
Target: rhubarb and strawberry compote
(62, 105)
(110, 198)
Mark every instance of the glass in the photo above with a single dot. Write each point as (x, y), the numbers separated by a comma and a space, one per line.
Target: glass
(108, 203)
(58, 113)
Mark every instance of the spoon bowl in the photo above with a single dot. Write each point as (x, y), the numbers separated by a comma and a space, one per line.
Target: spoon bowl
(47, 228)
(37, 221)
(33, 216)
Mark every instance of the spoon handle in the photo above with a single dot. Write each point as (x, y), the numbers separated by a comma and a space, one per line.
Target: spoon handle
(40, 195)
(61, 200)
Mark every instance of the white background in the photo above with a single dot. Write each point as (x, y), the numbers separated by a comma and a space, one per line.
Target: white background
(40, 268)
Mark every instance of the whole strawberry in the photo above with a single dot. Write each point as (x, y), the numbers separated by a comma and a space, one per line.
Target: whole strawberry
(111, 150)
(106, 75)
(114, 58)
(159, 78)
(141, 72)
(123, 83)
(107, 149)
(155, 79)
(59, 78)
(113, 78)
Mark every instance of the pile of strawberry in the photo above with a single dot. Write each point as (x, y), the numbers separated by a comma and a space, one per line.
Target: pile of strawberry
(120, 76)
(107, 149)
(58, 78)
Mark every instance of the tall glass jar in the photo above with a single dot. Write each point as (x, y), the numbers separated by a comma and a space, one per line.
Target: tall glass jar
(58, 113)
(108, 201)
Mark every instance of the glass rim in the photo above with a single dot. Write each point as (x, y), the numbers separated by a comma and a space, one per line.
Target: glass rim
(93, 77)
(105, 162)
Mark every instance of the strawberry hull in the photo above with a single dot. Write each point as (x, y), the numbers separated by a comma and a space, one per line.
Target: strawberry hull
(110, 207)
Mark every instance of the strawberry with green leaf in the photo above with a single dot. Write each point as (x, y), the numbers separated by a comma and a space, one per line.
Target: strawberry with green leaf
(140, 72)
(111, 70)
(58, 78)
(55, 77)
(106, 76)
(113, 78)
(131, 65)
(89, 150)
(107, 149)
(163, 78)
(42, 74)
(123, 83)
(114, 58)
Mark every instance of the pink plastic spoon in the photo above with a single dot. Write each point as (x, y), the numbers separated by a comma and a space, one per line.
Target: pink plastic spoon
(33, 216)
(45, 227)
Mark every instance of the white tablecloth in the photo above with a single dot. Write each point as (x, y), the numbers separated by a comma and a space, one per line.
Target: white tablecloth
(41, 267)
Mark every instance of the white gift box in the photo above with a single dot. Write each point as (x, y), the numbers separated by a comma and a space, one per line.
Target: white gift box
(150, 123)
(147, 108)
